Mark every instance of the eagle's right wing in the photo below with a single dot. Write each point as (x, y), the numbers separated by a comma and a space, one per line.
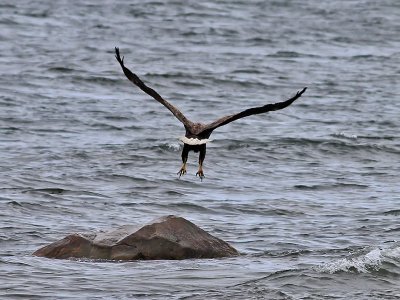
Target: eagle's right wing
(136, 80)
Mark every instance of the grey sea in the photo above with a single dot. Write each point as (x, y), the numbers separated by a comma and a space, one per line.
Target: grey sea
(309, 195)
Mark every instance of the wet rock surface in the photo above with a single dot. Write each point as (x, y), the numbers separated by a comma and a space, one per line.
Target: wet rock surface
(168, 237)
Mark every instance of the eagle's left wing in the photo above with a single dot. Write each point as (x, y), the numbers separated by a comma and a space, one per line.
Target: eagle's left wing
(252, 111)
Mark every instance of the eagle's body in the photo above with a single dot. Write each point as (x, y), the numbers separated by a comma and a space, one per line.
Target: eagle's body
(197, 134)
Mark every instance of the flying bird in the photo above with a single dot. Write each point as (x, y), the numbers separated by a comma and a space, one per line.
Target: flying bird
(197, 134)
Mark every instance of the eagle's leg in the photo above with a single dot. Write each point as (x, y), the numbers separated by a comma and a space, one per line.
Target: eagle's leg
(185, 153)
(202, 155)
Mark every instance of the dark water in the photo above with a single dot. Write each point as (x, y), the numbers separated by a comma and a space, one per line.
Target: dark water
(309, 195)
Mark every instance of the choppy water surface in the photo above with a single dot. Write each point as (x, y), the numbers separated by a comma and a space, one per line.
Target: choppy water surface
(309, 195)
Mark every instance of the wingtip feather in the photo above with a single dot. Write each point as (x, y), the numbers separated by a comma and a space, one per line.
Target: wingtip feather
(118, 56)
(302, 91)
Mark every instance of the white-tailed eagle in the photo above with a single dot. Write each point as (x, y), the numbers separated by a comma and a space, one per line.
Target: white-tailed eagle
(197, 134)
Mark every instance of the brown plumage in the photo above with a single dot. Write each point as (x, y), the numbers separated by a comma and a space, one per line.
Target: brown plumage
(197, 134)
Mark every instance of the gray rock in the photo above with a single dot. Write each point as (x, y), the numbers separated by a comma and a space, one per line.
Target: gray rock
(169, 237)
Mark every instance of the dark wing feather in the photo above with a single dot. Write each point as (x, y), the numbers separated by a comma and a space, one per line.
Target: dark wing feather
(136, 80)
(252, 111)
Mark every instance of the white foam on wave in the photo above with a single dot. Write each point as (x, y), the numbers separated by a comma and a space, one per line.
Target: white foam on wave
(173, 146)
(345, 135)
(362, 263)
(393, 253)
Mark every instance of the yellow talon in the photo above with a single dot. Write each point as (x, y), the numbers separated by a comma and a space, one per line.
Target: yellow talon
(200, 173)
(182, 171)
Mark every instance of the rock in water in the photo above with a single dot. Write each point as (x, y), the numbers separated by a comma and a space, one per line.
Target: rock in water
(169, 237)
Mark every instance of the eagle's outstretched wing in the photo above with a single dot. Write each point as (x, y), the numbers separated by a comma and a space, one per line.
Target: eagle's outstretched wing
(136, 80)
(252, 111)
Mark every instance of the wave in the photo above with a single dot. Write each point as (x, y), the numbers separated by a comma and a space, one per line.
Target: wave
(102, 80)
(345, 135)
(319, 187)
(59, 69)
(338, 143)
(383, 260)
(394, 212)
(286, 54)
(170, 147)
